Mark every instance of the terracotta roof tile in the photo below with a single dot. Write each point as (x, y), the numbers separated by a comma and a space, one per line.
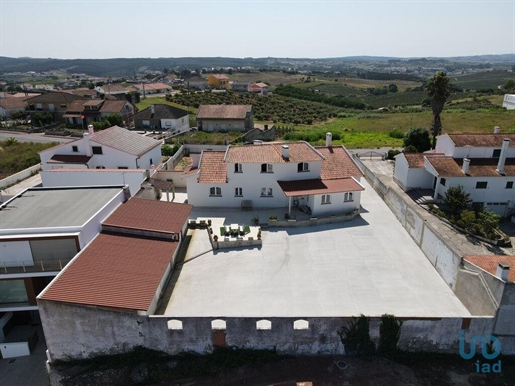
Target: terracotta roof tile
(445, 166)
(156, 216)
(13, 103)
(124, 140)
(223, 111)
(489, 263)
(272, 153)
(112, 106)
(114, 271)
(337, 163)
(481, 140)
(212, 167)
(416, 160)
(54, 97)
(316, 186)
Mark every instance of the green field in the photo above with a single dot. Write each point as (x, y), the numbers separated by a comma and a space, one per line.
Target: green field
(482, 80)
(16, 156)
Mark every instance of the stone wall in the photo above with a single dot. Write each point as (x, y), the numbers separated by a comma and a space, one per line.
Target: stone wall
(80, 332)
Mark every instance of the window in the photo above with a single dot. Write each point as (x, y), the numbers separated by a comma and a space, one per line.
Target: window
(96, 149)
(63, 105)
(237, 168)
(122, 167)
(75, 149)
(215, 191)
(238, 192)
(39, 106)
(101, 167)
(443, 181)
(481, 185)
(51, 106)
(349, 196)
(303, 167)
(267, 168)
(509, 184)
(326, 199)
(496, 153)
(266, 192)
(151, 163)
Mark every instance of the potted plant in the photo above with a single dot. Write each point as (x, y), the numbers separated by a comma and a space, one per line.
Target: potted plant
(255, 220)
(272, 218)
(259, 234)
(209, 222)
(215, 238)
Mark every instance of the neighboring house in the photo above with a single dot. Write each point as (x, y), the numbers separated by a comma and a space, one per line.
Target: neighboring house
(112, 89)
(112, 148)
(11, 105)
(322, 180)
(162, 118)
(196, 83)
(240, 86)
(41, 230)
(87, 111)
(117, 279)
(225, 117)
(46, 87)
(150, 88)
(509, 102)
(218, 81)
(484, 164)
(261, 88)
(56, 103)
(84, 92)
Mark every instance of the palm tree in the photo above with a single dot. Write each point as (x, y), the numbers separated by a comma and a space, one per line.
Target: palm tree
(438, 90)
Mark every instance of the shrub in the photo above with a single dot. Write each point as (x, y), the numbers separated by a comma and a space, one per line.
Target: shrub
(396, 133)
(392, 153)
(356, 337)
(457, 199)
(418, 138)
(389, 334)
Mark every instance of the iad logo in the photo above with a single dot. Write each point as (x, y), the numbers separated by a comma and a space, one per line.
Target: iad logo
(490, 349)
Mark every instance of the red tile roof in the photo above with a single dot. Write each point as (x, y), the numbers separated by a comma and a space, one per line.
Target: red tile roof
(69, 159)
(416, 160)
(445, 166)
(223, 111)
(489, 263)
(13, 103)
(113, 106)
(481, 140)
(114, 271)
(316, 186)
(272, 153)
(337, 163)
(156, 216)
(124, 140)
(212, 167)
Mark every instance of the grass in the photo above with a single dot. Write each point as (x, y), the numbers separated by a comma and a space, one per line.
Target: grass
(482, 80)
(17, 156)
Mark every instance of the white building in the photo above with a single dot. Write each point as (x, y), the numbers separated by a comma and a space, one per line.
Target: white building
(112, 148)
(41, 230)
(484, 164)
(509, 101)
(322, 180)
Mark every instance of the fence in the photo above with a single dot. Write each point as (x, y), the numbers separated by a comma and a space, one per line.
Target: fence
(15, 178)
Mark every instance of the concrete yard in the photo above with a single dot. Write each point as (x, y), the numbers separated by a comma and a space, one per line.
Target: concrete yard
(369, 265)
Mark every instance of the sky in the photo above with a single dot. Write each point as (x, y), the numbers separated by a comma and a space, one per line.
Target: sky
(70, 29)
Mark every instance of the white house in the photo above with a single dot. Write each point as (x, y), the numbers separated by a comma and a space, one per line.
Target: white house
(322, 180)
(484, 164)
(163, 118)
(112, 148)
(509, 101)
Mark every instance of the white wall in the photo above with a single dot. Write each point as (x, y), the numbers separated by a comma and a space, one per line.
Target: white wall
(509, 101)
(181, 124)
(221, 125)
(495, 192)
(13, 350)
(95, 177)
(93, 226)
(251, 180)
(337, 205)
(446, 146)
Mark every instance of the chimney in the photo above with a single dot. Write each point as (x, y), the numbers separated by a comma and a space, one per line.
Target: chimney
(152, 110)
(466, 164)
(87, 144)
(328, 140)
(503, 270)
(497, 129)
(91, 130)
(502, 157)
(286, 152)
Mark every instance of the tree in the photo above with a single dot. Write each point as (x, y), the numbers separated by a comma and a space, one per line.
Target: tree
(438, 90)
(488, 221)
(457, 199)
(509, 86)
(392, 88)
(418, 138)
(114, 120)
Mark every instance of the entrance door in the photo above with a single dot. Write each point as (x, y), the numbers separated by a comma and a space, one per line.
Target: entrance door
(219, 339)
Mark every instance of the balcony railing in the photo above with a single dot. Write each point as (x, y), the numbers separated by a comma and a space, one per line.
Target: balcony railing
(31, 267)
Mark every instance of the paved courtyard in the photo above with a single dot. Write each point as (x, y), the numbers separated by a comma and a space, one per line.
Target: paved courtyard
(369, 265)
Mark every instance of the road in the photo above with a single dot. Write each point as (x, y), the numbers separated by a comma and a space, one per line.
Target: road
(22, 137)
